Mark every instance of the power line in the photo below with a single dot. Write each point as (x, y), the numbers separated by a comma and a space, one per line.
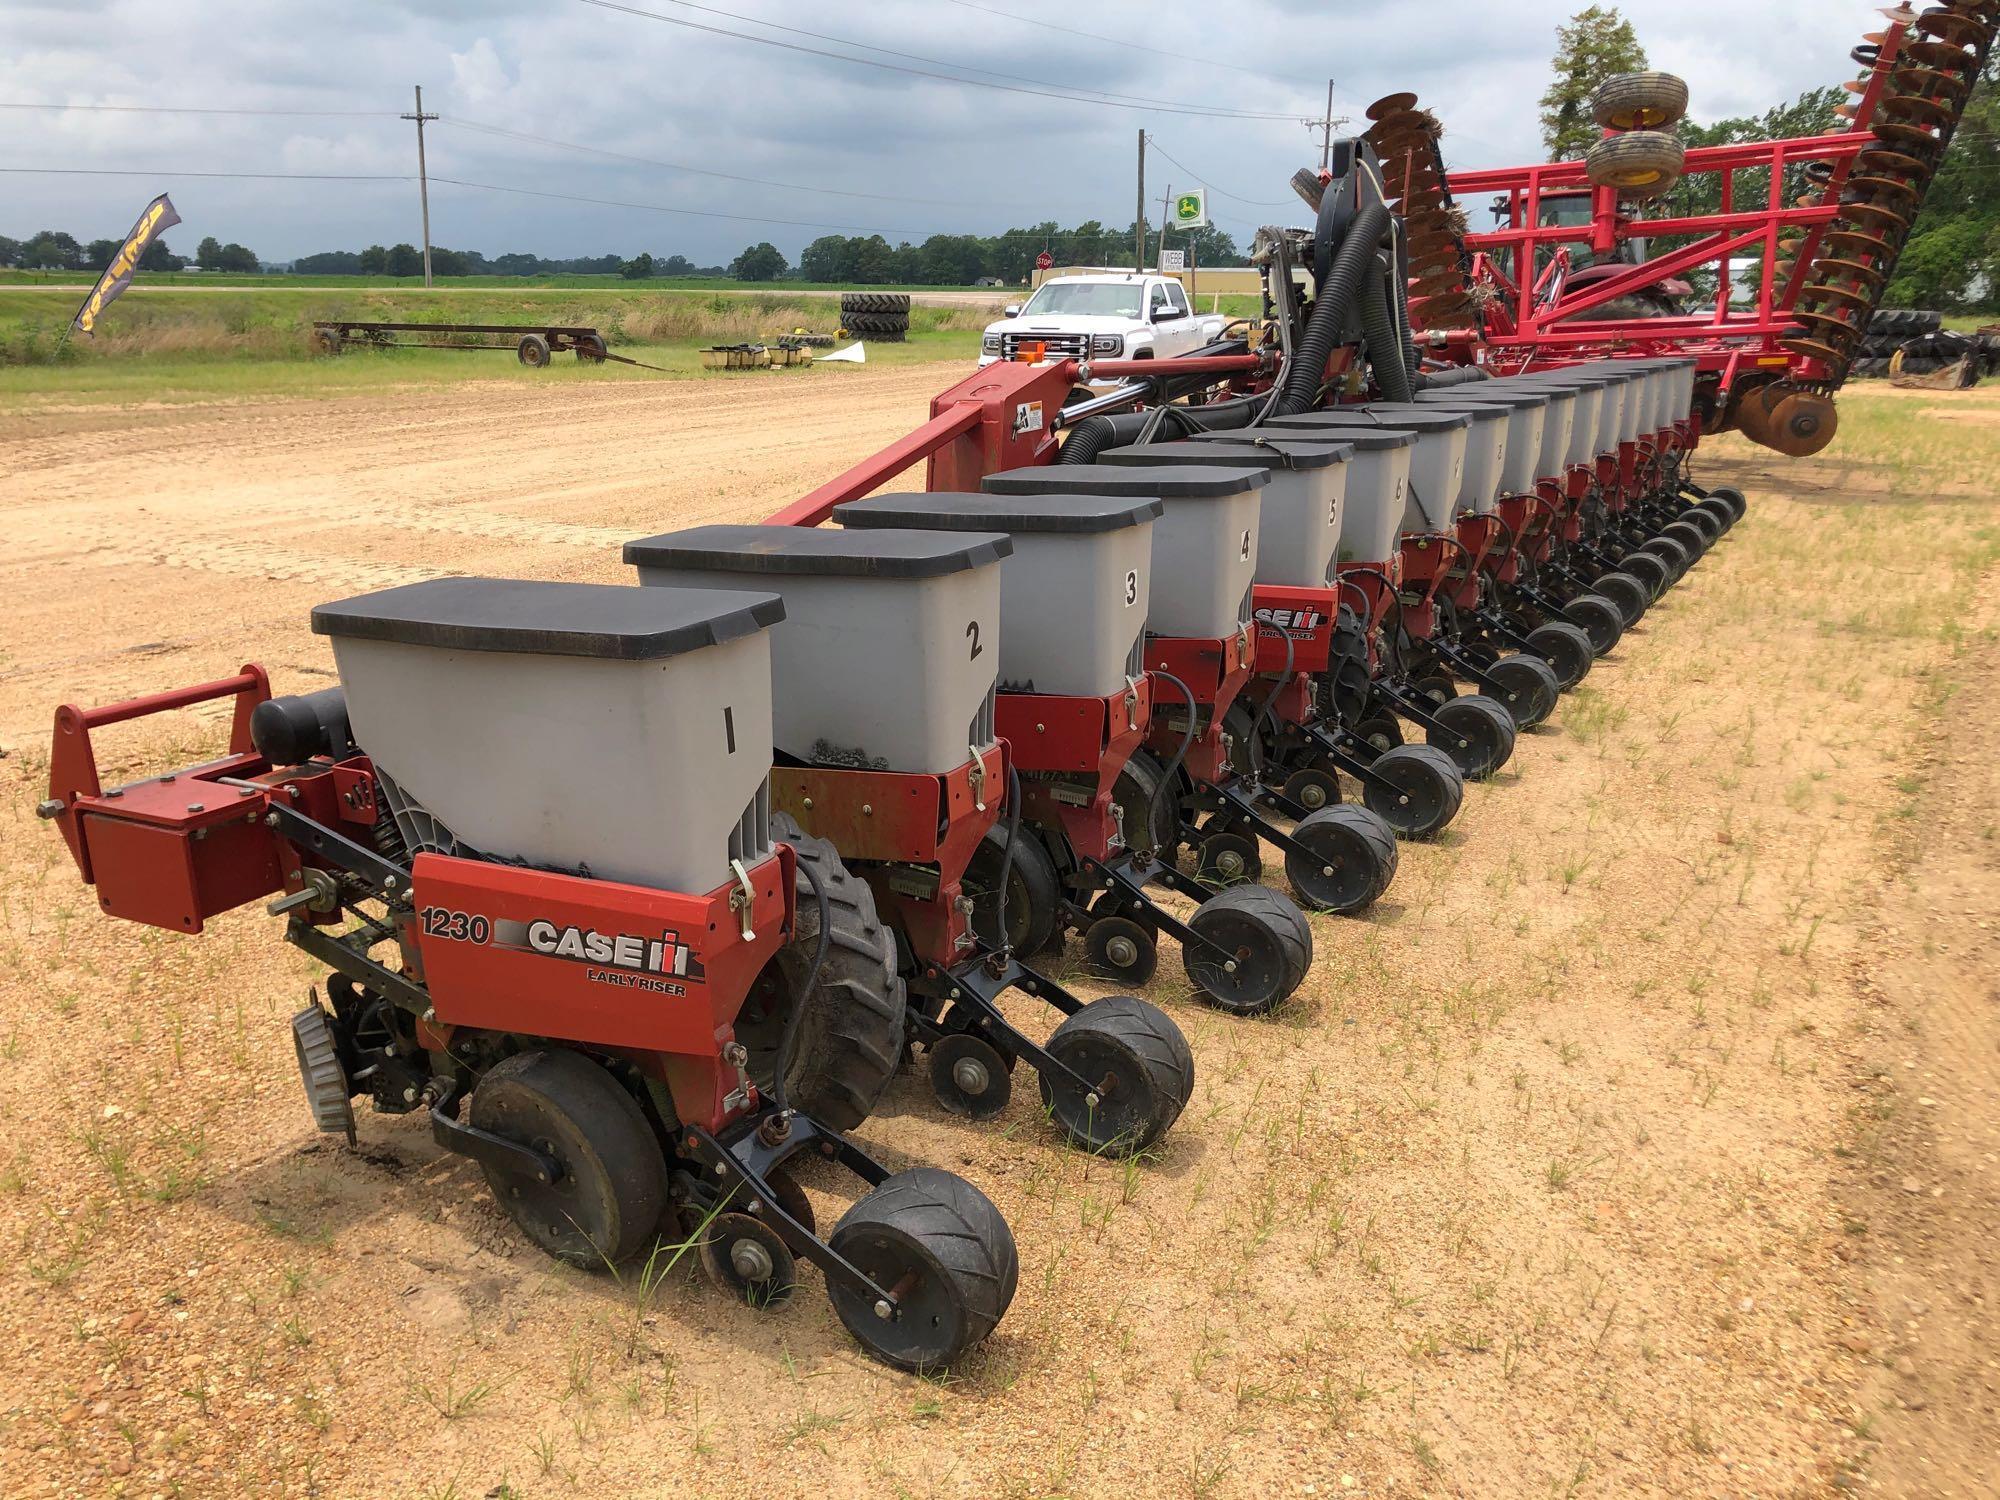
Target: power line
(1154, 142)
(1064, 92)
(258, 176)
(699, 213)
(179, 109)
(795, 187)
(1115, 41)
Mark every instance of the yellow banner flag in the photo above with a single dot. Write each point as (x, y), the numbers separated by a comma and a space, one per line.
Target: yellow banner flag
(158, 218)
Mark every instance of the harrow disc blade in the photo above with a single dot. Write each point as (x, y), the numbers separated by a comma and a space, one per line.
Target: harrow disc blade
(1905, 133)
(1801, 424)
(1852, 270)
(1391, 104)
(1954, 26)
(1916, 107)
(1810, 349)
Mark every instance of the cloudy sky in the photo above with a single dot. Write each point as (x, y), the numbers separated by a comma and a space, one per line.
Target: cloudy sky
(839, 145)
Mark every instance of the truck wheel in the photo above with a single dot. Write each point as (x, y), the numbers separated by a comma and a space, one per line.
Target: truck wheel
(851, 1035)
(1639, 101)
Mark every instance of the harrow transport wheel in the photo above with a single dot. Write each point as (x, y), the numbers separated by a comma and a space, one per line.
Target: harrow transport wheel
(1566, 649)
(970, 1077)
(1530, 688)
(936, 1243)
(1627, 594)
(1429, 790)
(851, 1037)
(1477, 733)
(613, 1186)
(1354, 859)
(1312, 788)
(1034, 891)
(532, 351)
(1649, 570)
(1639, 101)
(1141, 1066)
(1640, 163)
(1598, 618)
(1119, 949)
(1229, 856)
(1269, 944)
(743, 1255)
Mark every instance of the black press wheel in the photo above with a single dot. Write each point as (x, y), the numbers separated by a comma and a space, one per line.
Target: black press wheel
(532, 351)
(1119, 949)
(1034, 891)
(1565, 648)
(1353, 859)
(1732, 497)
(607, 1201)
(1628, 595)
(1265, 948)
(1599, 620)
(1528, 688)
(1649, 570)
(1677, 558)
(1427, 795)
(1477, 733)
(940, 1247)
(1707, 522)
(1139, 1066)
(1692, 538)
(1720, 509)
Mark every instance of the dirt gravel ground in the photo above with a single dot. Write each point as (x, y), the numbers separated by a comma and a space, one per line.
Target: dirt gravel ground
(1643, 1141)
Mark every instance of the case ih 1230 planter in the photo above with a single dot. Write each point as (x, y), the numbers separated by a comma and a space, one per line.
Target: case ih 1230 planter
(642, 893)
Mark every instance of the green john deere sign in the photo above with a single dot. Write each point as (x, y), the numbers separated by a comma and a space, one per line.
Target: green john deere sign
(1191, 210)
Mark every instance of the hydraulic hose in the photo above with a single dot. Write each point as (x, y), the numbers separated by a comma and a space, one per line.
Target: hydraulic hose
(780, 1096)
(1007, 856)
(1173, 768)
(1384, 340)
(1331, 305)
(1458, 375)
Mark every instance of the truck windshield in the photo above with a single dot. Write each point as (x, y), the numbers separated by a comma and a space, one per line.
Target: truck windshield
(1090, 299)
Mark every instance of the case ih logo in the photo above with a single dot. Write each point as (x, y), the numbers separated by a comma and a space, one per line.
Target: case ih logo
(1291, 619)
(612, 955)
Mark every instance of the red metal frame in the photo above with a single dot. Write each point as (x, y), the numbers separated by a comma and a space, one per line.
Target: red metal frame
(1051, 735)
(1535, 319)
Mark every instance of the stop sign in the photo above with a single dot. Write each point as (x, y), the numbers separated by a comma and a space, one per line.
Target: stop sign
(1044, 261)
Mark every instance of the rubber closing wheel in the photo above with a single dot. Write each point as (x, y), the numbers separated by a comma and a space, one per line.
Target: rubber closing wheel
(937, 1244)
(1353, 859)
(1707, 522)
(1672, 553)
(1529, 688)
(1720, 509)
(1140, 1065)
(1598, 619)
(1731, 497)
(1566, 649)
(1627, 594)
(607, 1201)
(1266, 949)
(1428, 790)
(1477, 733)
(1690, 536)
(1649, 570)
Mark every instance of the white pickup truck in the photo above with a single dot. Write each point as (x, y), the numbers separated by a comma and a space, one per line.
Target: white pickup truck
(1103, 315)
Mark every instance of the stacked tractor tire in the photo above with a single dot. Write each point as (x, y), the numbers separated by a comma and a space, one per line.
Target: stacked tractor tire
(1641, 158)
(1843, 272)
(880, 317)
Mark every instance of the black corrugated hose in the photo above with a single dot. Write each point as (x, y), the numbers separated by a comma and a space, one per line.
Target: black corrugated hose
(1331, 305)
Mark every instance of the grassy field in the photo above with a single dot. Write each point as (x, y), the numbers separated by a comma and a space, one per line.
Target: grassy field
(180, 345)
(618, 284)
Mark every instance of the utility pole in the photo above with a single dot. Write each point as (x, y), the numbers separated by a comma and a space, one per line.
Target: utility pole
(1139, 217)
(423, 180)
(1324, 126)
(1166, 218)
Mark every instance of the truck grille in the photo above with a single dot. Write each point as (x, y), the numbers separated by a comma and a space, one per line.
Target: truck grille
(1059, 345)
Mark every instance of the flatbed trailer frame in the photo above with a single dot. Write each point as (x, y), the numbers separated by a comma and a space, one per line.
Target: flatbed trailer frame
(532, 343)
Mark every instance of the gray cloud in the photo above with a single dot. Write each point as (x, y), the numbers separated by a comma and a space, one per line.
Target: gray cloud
(975, 160)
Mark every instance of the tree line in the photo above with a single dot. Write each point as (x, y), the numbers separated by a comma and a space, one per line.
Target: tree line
(850, 260)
